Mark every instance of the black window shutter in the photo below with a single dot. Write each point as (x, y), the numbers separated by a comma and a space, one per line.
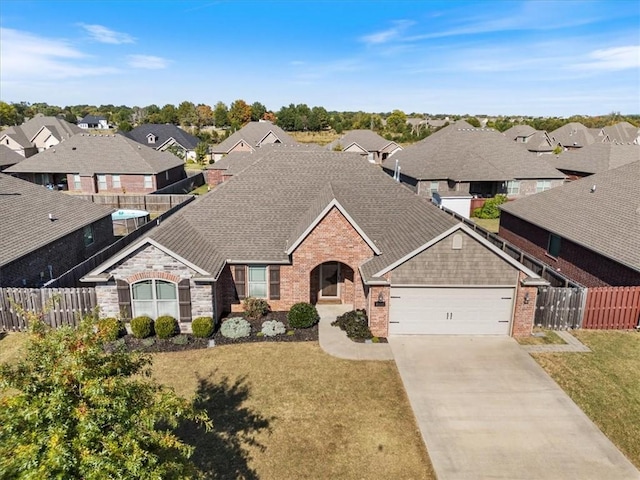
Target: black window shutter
(240, 280)
(274, 282)
(184, 300)
(124, 299)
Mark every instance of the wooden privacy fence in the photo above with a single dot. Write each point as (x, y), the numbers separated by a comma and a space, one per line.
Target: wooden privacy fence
(150, 203)
(560, 308)
(59, 306)
(615, 308)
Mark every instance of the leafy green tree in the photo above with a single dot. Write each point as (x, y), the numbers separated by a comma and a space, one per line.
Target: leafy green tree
(318, 119)
(205, 115)
(221, 115)
(125, 126)
(239, 114)
(202, 153)
(257, 111)
(473, 121)
(397, 121)
(8, 114)
(187, 114)
(169, 114)
(71, 410)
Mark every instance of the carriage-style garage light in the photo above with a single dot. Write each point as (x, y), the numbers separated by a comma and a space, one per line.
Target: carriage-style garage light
(380, 297)
(526, 298)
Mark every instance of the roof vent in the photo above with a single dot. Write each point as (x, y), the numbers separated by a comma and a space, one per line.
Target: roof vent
(73, 148)
(593, 188)
(52, 218)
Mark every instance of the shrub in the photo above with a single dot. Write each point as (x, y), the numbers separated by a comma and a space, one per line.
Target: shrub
(202, 327)
(180, 340)
(302, 315)
(149, 342)
(271, 328)
(490, 208)
(255, 307)
(111, 328)
(166, 326)
(142, 327)
(355, 324)
(235, 327)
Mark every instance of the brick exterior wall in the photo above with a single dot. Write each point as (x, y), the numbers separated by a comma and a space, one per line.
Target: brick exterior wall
(576, 262)
(213, 177)
(63, 254)
(151, 262)
(128, 183)
(524, 313)
(378, 316)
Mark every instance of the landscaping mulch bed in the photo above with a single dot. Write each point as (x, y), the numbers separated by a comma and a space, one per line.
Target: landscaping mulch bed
(188, 342)
(297, 335)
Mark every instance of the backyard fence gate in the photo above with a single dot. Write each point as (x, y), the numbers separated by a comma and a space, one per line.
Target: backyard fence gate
(560, 308)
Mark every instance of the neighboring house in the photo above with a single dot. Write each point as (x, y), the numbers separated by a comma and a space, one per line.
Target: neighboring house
(8, 157)
(462, 160)
(367, 143)
(235, 162)
(595, 158)
(94, 122)
(574, 135)
(250, 137)
(321, 227)
(101, 164)
(163, 137)
(622, 132)
(37, 135)
(46, 233)
(533, 140)
(588, 229)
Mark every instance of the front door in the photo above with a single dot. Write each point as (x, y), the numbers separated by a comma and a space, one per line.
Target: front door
(329, 273)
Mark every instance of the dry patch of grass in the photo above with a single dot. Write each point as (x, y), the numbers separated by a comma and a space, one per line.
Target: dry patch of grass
(541, 336)
(302, 413)
(320, 138)
(491, 224)
(11, 346)
(605, 384)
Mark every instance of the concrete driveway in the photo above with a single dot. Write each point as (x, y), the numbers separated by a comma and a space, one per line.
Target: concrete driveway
(486, 410)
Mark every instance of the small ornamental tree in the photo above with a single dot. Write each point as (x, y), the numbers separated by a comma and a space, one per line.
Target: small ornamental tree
(71, 410)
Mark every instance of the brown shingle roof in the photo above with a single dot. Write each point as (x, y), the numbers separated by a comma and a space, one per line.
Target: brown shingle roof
(597, 157)
(24, 216)
(368, 140)
(606, 220)
(461, 152)
(253, 133)
(8, 156)
(90, 154)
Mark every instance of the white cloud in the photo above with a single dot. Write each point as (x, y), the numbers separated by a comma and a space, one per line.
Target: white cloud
(102, 34)
(148, 62)
(25, 56)
(385, 36)
(611, 59)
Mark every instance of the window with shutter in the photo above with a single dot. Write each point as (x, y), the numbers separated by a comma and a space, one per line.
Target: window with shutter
(184, 300)
(124, 299)
(240, 281)
(274, 282)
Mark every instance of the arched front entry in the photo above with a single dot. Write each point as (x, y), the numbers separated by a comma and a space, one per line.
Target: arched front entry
(332, 282)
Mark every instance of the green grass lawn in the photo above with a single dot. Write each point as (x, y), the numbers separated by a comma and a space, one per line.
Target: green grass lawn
(491, 224)
(605, 384)
(288, 410)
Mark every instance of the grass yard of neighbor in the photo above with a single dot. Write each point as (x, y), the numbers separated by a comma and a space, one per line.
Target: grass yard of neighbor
(491, 224)
(289, 410)
(605, 384)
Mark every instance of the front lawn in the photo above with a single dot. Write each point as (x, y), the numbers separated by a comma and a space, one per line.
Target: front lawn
(288, 410)
(605, 384)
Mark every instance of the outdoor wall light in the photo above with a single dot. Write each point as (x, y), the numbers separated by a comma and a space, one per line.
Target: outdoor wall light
(526, 298)
(381, 297)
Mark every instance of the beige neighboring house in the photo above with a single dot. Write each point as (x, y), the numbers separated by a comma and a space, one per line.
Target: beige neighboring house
(37, 135)
(250, 137)
(367, 143)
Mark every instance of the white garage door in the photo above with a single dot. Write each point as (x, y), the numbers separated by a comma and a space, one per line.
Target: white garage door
(450, 311)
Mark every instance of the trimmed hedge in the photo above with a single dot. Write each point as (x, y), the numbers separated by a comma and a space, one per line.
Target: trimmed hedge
(302, 315)
(111, 328)
(202, 327)
(166, 326)
(142, 327)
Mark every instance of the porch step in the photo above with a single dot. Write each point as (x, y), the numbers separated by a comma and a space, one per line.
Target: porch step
(329, 301)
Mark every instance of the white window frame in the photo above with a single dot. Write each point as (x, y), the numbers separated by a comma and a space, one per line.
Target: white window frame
(543, 185)
(102, 182)
(148, 181)
(88, 235)
(77, 182)
(155, 307)
(513, 187)
(115, 181)
(252, 285)
(433, 184)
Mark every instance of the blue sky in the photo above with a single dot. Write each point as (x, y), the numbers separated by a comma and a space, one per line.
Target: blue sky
(494, 57)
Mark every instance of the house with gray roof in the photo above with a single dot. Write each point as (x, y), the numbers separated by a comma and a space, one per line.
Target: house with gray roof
(37, 134)
(101, 164)
(588, 229)
(621, 133)
(367, 143)
(533, 140)
(8, 157)
(251, 137)
(46, 233)
(318, 227)
(574, 135)
(594, 158)
(93, 122)
(462, 160)
(163, 137)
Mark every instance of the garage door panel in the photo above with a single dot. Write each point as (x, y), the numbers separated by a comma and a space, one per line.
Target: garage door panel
(450, 311)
